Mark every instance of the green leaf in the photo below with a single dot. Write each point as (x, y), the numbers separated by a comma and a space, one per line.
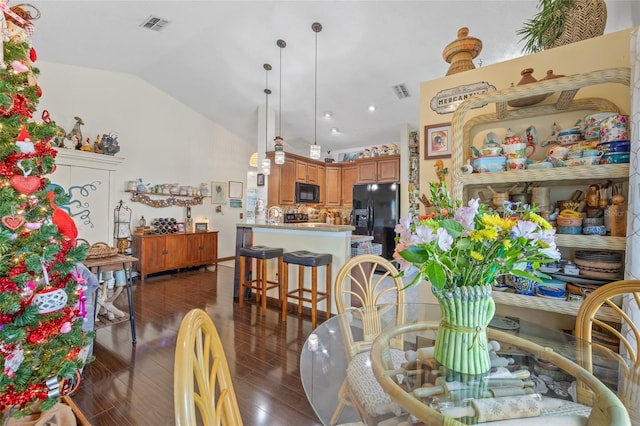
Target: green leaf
(415, 281)
(415, 254)
(453, 227)
(436, 274)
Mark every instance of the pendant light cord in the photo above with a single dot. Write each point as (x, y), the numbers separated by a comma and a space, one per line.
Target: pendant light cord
(267, 92)
(280, 95)
(315, 96)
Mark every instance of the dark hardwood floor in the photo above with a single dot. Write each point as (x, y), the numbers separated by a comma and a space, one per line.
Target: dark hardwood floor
(133, 384)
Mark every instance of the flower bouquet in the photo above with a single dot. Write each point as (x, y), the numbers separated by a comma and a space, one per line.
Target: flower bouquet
(461, 250)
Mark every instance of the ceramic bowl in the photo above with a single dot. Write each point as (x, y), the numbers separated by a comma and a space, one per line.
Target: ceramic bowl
(516, 163)
(592, 221)
(586, 161)
(594, 230)
(568, 138)
(540, 165)
(495, 163)
(615, 146)
(571, 230)
(569, 221)
(615, 158)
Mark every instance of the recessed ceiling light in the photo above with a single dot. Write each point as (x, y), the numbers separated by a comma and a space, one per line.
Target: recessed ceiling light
(335, 130)
(372, 108)
(328, 114)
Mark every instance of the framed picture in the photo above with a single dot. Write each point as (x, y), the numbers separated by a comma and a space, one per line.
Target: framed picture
(260, 179)
(181, 228)
(235, 189)
(202, 226)
(437, 141)
(218, 192)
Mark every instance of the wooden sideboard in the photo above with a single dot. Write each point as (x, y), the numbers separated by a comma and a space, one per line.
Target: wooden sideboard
(165, 252)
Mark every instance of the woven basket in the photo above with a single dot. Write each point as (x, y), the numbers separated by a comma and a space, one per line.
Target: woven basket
(99, 250)
(585, 19)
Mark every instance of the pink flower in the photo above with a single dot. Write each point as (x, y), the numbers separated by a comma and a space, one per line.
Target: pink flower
(423, 234)
(527, 229)
(444, 239)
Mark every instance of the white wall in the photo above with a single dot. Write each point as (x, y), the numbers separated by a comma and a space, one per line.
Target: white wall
(161, 139)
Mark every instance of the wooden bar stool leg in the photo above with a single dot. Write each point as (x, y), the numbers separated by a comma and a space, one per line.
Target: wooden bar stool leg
(263, 285)
(258, 279)
(314, 295)
(327, 290)
(284, 287)
(242, 283)
(282, 298)
(300, 287)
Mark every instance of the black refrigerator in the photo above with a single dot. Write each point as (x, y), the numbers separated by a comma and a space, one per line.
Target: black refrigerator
(376, 209)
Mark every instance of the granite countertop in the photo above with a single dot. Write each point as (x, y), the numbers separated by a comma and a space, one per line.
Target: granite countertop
(308, 226)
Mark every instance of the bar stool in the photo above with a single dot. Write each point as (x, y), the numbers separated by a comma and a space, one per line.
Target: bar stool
(304, 258)
(261, 283)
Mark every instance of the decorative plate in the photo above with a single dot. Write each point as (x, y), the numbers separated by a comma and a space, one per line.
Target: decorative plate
(503, 323)
(579, 280)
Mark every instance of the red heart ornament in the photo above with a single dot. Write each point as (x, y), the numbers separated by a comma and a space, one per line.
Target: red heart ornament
(13, 222)
(26, 185)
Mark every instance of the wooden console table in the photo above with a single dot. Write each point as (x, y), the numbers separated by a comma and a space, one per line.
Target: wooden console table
(115, 263)
(164, 252)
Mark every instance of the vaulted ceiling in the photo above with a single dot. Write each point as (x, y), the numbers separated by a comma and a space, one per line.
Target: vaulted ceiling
(210, 56)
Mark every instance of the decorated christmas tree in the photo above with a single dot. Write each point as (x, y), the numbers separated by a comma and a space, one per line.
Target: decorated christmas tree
(41, 292)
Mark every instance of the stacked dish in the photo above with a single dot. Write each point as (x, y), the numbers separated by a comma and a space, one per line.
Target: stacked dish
(615, 152)
(599, 264)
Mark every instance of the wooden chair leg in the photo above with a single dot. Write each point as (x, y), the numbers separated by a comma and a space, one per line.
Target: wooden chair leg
(282, 297)
(300, 288)
(263, 285)
(241, 281)
(314, 295)
(284, 287)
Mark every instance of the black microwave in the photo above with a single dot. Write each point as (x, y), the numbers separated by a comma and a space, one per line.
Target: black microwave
(307, 193)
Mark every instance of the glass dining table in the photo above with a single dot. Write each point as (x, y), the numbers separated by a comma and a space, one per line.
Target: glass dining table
(543, 361)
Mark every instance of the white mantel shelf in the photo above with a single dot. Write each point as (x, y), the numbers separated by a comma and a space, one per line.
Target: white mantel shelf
(87, 159)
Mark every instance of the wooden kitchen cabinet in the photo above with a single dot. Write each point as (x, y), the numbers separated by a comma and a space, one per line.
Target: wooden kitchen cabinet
(281, 186)
(379, 170)
(388, 170)
(158, 253)
(349, 178)
(333, 185)
(322, 184)
(306, 172)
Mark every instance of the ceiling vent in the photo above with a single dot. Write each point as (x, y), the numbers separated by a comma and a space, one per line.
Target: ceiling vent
(154, 23)
(401, 91)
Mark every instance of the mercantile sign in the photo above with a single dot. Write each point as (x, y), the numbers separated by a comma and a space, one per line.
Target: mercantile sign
(446, 101)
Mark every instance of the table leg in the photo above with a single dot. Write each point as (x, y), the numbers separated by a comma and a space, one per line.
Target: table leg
(129, 284)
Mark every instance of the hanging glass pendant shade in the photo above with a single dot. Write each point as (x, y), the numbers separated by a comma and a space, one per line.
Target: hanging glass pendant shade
(315, 151)
(265, 165)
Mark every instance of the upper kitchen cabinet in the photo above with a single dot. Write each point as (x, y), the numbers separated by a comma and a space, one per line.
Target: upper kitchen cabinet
(307, 172)
(379, 169)
(333, 186)
(281, 185)
(349, 178)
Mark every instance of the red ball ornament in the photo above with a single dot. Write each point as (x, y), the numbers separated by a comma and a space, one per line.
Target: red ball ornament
(33, 55)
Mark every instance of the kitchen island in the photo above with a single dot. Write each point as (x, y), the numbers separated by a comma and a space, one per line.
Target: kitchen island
(314, 237)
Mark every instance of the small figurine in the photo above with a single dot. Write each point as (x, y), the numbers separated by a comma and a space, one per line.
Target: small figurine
(86, 146)
(441, 171)
(109, 144)
(75, 135)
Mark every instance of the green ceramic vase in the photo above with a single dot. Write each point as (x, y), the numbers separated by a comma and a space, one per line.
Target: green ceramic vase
(461, 341)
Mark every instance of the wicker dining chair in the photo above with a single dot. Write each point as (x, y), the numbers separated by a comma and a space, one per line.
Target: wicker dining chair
(607, 298)
(201, 377)
(365, 286)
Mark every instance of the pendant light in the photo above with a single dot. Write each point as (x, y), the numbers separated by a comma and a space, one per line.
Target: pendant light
(315, 151)
(279, 148)
(266, 163)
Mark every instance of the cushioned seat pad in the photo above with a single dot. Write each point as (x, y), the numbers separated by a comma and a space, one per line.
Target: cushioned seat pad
(365, 386)
(307, 258)
(261, 252)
